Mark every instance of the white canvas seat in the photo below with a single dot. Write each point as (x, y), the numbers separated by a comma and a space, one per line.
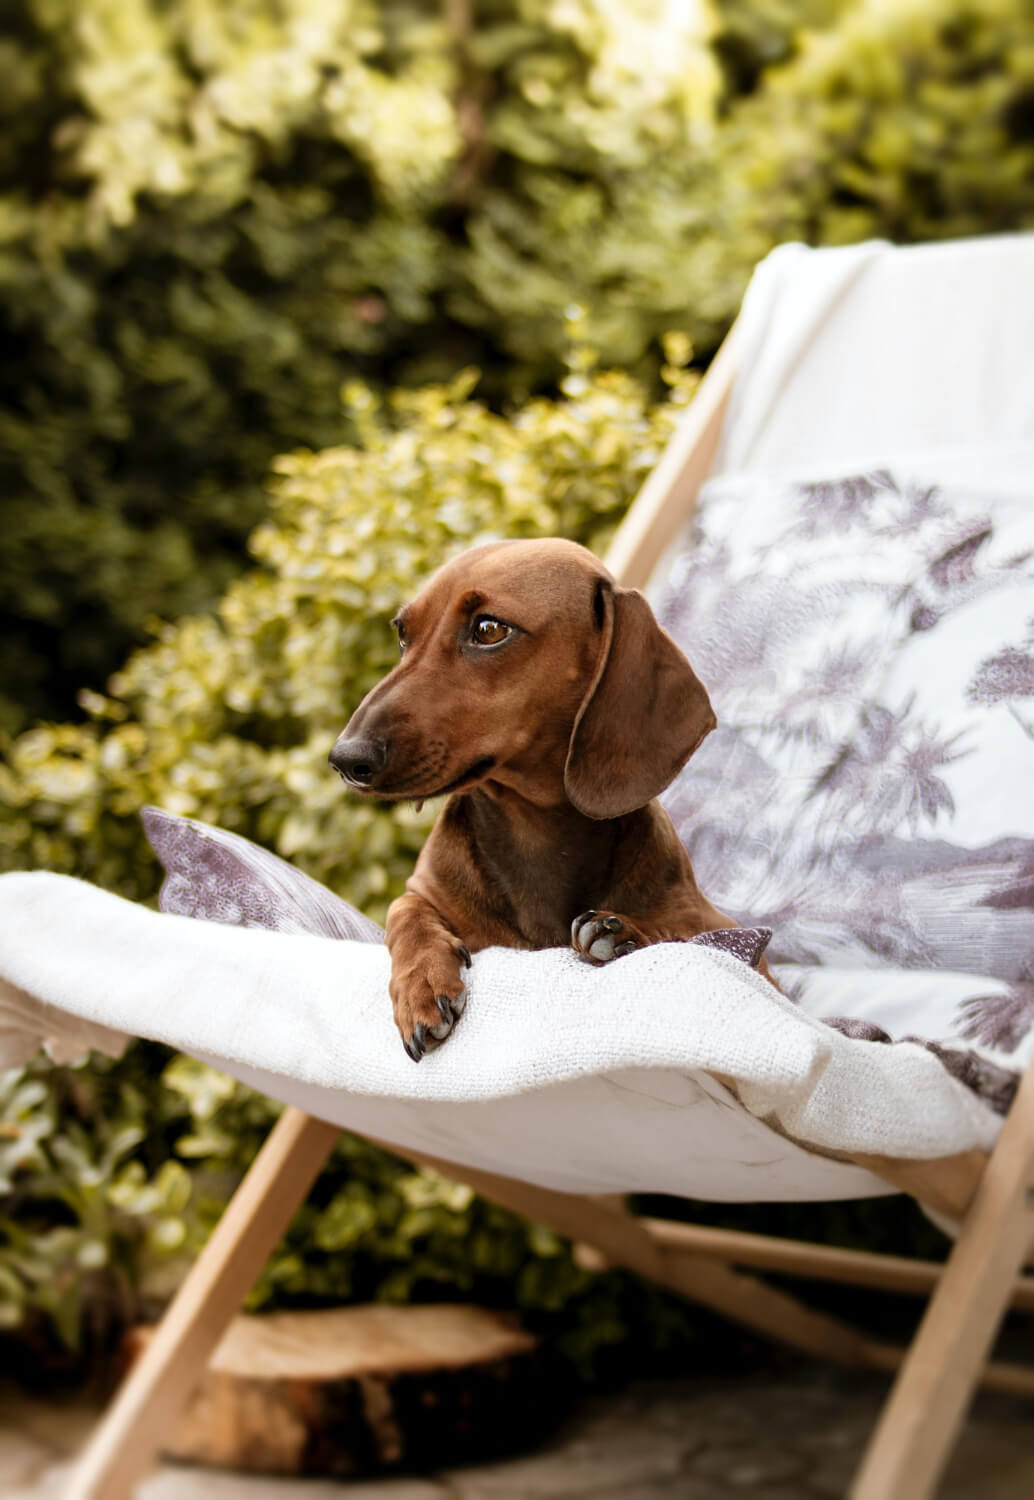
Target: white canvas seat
(640, 1108)
(678, 1069)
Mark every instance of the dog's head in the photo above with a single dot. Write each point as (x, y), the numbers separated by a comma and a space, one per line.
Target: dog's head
(525, 663)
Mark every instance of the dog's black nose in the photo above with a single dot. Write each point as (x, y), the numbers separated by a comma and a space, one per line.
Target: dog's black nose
(359, 760)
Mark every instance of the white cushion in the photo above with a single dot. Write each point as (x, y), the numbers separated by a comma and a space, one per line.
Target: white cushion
(871, 353)
(579, 1078)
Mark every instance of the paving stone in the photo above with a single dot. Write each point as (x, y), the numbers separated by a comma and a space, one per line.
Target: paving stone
(576, 1467)
(682, 1487)
(795, 1491)
(60, 1425)
(182, 1482)
(994, 1460)
(642, 1417)
(22, 1457)
(50, 1483)
(693, 1417)
(759, 1439)
(833, 1449)
(833, 1472)
(188, 1483)
(748, 1466)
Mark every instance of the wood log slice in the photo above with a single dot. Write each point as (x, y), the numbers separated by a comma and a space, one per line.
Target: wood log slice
(359, 1389)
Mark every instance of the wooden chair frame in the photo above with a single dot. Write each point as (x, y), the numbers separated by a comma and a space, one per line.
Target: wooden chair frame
(992, 1196)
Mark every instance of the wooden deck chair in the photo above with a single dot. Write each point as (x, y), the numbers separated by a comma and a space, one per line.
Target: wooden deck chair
(827, 369)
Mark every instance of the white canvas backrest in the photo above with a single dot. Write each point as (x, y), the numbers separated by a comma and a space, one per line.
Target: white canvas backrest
(862, 354)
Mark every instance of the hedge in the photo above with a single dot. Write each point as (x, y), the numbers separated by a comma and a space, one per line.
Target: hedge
(211, 216)
(111, 1174)
(197, 251)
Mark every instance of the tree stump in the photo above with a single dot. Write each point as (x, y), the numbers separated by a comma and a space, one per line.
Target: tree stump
(359, 1389)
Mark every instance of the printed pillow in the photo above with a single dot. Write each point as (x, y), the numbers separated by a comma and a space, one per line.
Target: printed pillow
(868, 644)
(218, 876)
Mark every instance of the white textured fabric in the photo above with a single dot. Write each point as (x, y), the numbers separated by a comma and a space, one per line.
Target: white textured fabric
(864, 354)
(610, 1087)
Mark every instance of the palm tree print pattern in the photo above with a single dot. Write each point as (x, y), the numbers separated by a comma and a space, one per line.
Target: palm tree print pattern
(868, 644)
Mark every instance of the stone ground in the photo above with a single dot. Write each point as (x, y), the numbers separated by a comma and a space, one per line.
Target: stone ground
(796, 1436)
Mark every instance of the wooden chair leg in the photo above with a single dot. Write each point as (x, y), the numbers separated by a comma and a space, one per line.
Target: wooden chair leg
(127, 1440)
(913, 1439)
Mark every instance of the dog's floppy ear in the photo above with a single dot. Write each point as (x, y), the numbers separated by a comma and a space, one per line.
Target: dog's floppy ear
(643, 715)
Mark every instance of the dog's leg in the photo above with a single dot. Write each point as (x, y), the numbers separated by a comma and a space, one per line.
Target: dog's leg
(427, 960)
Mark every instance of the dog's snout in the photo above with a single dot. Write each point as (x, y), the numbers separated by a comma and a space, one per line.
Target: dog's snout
(358, 759)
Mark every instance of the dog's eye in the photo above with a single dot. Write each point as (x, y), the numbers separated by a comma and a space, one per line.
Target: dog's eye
(402, 635)
(488, 632)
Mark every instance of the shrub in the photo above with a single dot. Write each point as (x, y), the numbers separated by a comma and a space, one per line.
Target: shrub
(229, 716)
(93, 1207)
(912, 121)
(183, 297)
(110, 1174)
(210, 216)
(906, 121)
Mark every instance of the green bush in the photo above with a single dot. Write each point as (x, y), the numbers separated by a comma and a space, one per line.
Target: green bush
(229, 716)
(909, 120)
(95, 1211)
(199, 242)
(110, 1174)
(211, 215)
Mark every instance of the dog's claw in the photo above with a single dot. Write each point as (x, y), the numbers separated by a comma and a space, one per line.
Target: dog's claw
(417, 1044)
(441, 1031)
(465, 955)
(580, 921)
(612, 924)
(623, 948)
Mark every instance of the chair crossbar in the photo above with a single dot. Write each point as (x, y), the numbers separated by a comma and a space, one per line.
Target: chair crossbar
(760, 1252)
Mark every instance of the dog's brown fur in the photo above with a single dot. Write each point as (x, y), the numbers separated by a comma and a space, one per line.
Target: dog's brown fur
(552, 741)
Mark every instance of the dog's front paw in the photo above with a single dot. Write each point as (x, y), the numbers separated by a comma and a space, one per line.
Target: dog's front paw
(601, 936)
(428, 999)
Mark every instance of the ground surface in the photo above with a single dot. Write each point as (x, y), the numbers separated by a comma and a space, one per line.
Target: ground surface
(793, 1437)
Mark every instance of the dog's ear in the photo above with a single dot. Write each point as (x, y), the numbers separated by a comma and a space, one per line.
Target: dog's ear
(643, 715)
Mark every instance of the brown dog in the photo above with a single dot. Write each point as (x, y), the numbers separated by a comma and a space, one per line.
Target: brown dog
(553, 708)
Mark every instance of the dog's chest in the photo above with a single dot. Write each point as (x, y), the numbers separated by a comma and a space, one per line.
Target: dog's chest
(539, 886)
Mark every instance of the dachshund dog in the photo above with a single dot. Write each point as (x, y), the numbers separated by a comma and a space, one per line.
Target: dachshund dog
(551, 708)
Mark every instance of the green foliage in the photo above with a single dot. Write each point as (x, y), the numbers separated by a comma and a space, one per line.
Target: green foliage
(87, 1227)
(229, 716)
(754, 35)
(910, 121)
(111, 1177)
(906, 119)
(211, 215)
